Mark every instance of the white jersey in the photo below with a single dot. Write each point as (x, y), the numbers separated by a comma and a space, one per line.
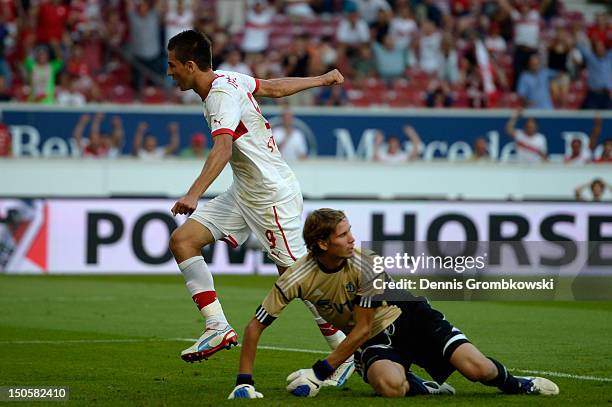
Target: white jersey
(397, 157)
(584, 157)
(401, 29)
(292, 148)
(529, 148)
(526, 28)
(261, 176)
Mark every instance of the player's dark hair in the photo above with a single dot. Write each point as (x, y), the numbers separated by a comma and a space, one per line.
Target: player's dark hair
(193, 46)
(597, 181)
(319, 225)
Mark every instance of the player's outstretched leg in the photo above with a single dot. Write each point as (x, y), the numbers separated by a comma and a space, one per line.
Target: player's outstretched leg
(333, 336)
(521, 385)
(217, 335)
(472, 364)
(186, 243)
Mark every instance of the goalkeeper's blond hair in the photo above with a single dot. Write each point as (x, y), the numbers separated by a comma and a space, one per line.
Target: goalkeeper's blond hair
(319, 225)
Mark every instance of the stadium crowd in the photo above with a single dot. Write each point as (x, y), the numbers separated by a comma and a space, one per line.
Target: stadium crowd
(408, 53)
(96, 139)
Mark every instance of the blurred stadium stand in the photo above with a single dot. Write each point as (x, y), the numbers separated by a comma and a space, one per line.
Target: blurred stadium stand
(106, 70)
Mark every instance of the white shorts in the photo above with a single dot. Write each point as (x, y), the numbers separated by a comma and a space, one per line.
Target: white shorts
(278, 228)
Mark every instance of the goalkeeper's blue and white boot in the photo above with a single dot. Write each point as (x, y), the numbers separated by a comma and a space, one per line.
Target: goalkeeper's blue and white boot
(443, 389)
(342, 373)
(211, 342)
(538, 385)
(418, 386)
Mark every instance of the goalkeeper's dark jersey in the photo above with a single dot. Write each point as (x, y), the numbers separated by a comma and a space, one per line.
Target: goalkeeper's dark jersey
(334, 294)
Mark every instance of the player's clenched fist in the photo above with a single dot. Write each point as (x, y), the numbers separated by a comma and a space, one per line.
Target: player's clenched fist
(185, 206)
(333, 78)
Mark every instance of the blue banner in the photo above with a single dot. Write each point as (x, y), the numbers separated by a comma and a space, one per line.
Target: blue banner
(347, 133)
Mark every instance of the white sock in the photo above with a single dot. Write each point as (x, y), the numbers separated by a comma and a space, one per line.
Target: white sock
(214, 316)
(196, 274)
(199, 282)
(313, 310)
(332, 335)
(335, 339)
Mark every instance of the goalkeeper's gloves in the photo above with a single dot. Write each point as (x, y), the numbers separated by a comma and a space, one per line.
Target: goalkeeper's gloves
(245, 388)
(308, 382)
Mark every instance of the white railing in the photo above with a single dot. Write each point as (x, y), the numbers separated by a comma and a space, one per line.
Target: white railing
(319, 179)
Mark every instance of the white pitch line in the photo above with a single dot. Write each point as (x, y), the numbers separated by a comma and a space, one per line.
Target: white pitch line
(567, 375)
(277, 348)
(319, 352)
(53, 342)
(56, 299)
(266, 347)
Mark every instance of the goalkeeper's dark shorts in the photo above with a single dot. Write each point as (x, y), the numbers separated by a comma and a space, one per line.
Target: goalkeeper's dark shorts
(420, 335)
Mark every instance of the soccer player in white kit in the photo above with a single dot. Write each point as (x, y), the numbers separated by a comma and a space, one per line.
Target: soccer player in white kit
(265, 197)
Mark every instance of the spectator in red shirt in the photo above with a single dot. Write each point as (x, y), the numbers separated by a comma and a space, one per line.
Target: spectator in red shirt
(76, 64)
(146, 146)
(578, 154)
(8, 9)
(5, 140)
(25, 36)
(81, 73)
(606, 154)
(99, 145)
(85, 17)
(601, 31)
(460, 7)
(51, 17)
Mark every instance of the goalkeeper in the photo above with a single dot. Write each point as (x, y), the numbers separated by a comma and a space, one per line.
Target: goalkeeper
(385, 338)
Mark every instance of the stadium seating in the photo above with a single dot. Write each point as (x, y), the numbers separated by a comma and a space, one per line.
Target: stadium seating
(113, 73)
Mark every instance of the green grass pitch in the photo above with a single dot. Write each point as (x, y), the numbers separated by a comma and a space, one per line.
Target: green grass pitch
(115, 341)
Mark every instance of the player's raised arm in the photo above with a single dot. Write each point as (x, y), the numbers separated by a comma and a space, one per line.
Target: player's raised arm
(117, 133)
(217, 160)
(414, 138)
(79, 129)
(95, 125)
(173, 129)
(138, 137)
(277, 88)
(511, 124)
(595, 131)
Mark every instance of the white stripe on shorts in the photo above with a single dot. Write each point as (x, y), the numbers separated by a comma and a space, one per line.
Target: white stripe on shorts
(451, 340)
